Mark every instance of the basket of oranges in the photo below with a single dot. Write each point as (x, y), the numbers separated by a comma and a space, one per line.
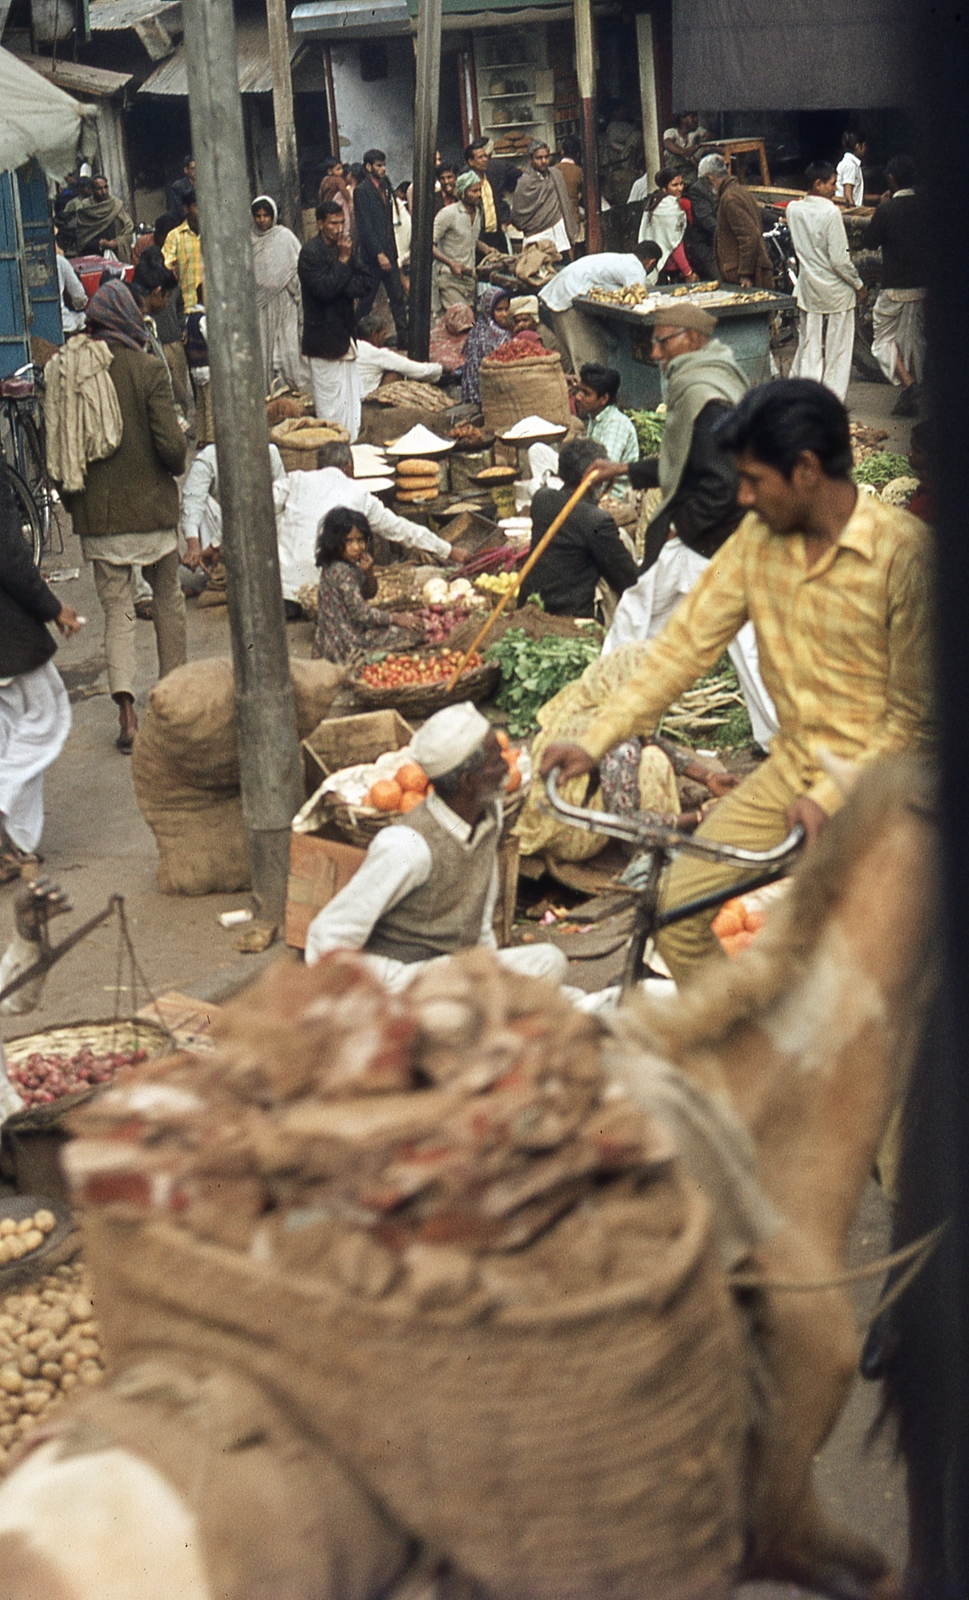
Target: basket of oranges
(416, 685)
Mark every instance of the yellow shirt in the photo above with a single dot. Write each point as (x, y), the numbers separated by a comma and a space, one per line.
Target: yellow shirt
(845, 646)
(488, 207)
(183, 256)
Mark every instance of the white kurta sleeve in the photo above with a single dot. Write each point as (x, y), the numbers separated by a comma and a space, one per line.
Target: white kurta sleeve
(397, 862)
(422, 371)
(202, 481)
(399, 531)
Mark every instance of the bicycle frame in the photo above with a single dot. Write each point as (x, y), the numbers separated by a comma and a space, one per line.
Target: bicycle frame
(658, 845)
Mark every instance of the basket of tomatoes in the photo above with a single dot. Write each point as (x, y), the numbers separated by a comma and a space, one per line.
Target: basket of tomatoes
(359, 801)
(416, 685)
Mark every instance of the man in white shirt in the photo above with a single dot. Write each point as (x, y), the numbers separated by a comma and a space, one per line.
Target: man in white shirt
(851, 178)
(374, 359)
(304, 498)
(584, 337)
(828, 284)
(73, 296)
(429, 885)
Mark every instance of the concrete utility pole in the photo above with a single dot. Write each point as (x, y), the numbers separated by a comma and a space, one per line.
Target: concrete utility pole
(289, 196)
(265, 709)
(425, 144)
(585, 67)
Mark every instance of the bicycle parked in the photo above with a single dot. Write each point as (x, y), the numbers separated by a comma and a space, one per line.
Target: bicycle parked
(23, 464)
(657, 845)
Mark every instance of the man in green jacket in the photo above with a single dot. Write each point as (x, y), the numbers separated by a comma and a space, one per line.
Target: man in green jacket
(127, 512)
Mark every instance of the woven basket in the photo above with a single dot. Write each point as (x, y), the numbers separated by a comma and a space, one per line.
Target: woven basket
(299, 438)
(362, 827)
(123, 1033)
(586, 1448)
(423, 699)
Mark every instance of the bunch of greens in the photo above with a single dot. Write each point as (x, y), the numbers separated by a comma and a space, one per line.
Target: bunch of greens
(649, 427)
(881, 468)
(534, 670)
(713, 714)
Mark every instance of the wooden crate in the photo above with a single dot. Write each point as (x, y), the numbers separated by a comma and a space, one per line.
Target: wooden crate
(349, 741)
(318, 870)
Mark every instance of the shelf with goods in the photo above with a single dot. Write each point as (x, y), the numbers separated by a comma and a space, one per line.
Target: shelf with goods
(514, 110)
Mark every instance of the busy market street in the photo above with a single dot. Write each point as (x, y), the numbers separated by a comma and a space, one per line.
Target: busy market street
(481, 938)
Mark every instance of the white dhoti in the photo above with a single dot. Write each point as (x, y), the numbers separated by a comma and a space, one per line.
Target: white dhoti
(557, 233)
(898, 330)
(336, 393)
(35, 719)
(645, 609)
(826, 340)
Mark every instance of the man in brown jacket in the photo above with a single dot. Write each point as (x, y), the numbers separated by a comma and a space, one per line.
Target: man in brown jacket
(739, 240)
(127, 512)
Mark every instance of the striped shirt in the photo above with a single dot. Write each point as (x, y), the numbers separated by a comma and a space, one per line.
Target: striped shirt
(844, 646)
(183, 256)
(614, 431)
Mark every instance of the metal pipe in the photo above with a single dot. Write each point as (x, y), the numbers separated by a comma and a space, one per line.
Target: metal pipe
(269, 767)
(585, 67)
(425, 143)
(279, 60)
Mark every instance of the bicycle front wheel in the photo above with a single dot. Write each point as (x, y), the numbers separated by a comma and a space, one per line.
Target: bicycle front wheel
(32, 461)
(28, 516)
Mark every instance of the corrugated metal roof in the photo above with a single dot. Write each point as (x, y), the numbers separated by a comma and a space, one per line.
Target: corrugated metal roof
(109, 15)
(252, 54)
(356, 19)
(78, 79)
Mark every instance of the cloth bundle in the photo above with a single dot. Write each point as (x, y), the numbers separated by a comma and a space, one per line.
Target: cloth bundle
(81, 410)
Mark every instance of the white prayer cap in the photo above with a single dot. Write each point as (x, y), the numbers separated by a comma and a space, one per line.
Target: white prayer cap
(448, 738)
(525, 304)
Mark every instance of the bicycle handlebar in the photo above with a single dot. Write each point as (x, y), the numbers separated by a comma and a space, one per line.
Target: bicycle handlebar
(654, 836)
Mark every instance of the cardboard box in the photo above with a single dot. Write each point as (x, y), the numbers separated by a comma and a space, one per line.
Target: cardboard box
(338, 742)
(318, 870)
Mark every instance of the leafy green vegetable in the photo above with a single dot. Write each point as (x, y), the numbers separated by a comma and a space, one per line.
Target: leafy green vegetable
(713, 714)
(881, 468)
(534, 670)
(649, 427)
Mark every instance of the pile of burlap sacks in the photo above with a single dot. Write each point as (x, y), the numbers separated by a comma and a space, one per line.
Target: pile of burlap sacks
(185, 767)
(459, 1257)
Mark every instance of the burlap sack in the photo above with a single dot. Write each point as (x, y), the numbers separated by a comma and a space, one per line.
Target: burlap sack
(590, 1448)
(511, 390)
(185, 767)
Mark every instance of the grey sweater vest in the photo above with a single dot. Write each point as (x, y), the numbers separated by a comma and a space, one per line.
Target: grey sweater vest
(445, 913)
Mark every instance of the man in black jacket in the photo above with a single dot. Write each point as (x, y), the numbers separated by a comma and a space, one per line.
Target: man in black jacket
(35, 715)
(586, 548)
(898, 334)
(331, 279)
(373, 210)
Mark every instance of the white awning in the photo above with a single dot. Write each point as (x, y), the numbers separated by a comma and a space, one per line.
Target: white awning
(38, 119)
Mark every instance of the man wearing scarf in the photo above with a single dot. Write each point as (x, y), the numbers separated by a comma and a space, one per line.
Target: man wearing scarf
(457, 228)
(102, 223)
(494, 211)
(541, 207)
(127, 512)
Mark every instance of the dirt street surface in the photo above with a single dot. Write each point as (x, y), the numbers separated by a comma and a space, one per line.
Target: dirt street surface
(95, 844)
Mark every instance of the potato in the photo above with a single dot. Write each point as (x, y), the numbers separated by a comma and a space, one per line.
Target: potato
(51, 1371)
(7, 1225)
(25, 1224)
(89, 1372)
(80, 1308)
(45, 1221)
(69, 1381)
(29, 1365)
(70, 1361)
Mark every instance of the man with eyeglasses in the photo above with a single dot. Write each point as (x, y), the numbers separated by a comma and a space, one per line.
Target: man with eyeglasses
(698, 481)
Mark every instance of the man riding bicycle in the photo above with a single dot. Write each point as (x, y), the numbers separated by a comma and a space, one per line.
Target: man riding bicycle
(837, 586)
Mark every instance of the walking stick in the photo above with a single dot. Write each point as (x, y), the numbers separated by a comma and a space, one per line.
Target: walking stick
(594, 472)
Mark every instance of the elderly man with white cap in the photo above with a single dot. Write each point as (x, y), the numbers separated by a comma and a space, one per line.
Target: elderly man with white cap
(698, 482)
(429, 883)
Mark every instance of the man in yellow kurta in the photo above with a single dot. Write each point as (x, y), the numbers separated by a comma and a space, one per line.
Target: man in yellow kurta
(837, 587)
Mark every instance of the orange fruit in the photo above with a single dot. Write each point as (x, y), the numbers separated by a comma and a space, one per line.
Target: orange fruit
(409, 799)
(514, 780)
(502, 738)
(385, 795)
(754, 921)
(411, 776)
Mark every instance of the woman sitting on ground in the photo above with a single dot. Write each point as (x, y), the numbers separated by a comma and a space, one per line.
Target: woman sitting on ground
(665, 220)
(491, 330)
(346, 626)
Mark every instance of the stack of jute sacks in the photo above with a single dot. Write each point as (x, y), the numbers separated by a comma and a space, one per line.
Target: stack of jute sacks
(418, 480)
(185, 767)
(459, 1258)
(511, 390)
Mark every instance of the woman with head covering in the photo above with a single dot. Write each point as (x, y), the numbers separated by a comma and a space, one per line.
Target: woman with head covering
(456, 230)
(490, 331)
(665, 220)
(127, 512)
(275, 252)
(334, 187)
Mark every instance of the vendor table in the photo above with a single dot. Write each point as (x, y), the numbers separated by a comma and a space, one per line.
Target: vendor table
(728, 148)
(744, 327)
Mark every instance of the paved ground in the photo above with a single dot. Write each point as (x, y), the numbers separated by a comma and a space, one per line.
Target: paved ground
(96, 844)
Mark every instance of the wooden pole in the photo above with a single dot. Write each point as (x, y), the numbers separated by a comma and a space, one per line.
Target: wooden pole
(425, 142)
(543, 543)
(269, 765)
(585, 67)
(647, 93)
(279, 58)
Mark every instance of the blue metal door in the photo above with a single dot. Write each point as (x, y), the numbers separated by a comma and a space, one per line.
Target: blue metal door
(14, 347)
(39, 259)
